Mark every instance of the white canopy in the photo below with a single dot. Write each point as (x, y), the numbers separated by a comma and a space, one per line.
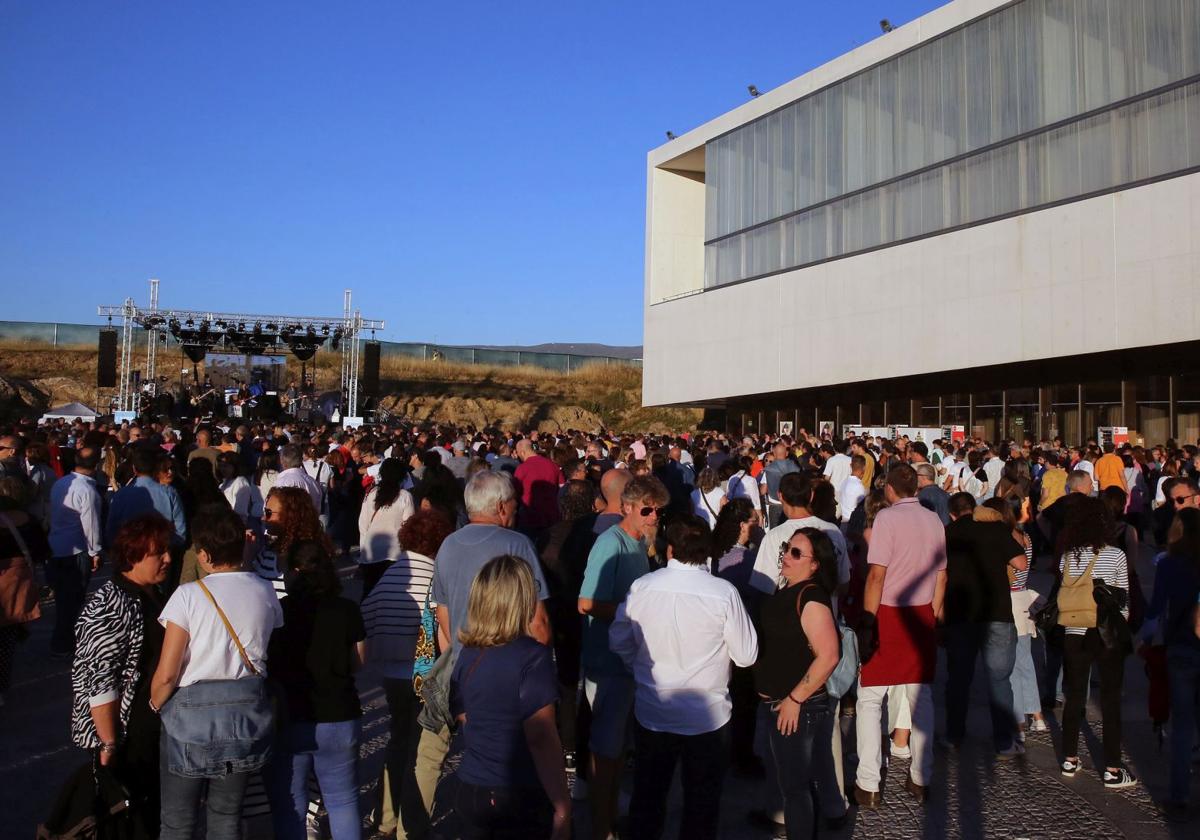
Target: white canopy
(70, 411)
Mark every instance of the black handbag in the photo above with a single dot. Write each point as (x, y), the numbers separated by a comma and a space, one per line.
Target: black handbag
(1110, 623)
(91, 805)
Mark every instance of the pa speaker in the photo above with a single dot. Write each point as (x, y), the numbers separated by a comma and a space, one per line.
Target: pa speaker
(369, 384)
(106, 359)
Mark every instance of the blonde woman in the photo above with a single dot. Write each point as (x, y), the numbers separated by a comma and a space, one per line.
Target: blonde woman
(512, 781)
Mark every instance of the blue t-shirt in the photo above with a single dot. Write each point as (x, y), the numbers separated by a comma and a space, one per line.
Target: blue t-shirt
(615, 562)
(463, 554)
(498, 689)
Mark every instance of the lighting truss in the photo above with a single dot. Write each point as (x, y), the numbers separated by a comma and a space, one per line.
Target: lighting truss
(249, 333)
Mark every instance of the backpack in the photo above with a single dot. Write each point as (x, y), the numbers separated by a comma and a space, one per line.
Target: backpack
(845, 675)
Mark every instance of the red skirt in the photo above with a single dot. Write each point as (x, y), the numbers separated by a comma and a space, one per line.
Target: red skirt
(907, 647)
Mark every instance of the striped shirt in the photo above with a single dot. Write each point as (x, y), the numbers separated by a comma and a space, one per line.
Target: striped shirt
(392, 613)
(1111, 567)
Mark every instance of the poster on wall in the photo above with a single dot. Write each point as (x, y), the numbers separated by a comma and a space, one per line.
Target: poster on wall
(955, 434)
(1116, 435)
(825, 429)
(785, 427)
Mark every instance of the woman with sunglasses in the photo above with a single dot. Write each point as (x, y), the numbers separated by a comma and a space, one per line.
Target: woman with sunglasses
(798, 651)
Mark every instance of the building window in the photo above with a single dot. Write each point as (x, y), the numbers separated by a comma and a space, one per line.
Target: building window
(916, 144)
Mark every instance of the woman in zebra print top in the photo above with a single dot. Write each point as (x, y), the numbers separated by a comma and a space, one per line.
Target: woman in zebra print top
(118, 642)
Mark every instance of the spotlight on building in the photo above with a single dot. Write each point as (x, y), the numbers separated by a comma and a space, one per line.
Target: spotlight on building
(886, 26)
(753, 91)
(670, 135)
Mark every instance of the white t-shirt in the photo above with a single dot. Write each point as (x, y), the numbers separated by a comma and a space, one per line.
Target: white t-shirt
(238, 494)
(837, 470)
(850, 494)
(741, 485)
(1089, 468)
(250, 605)
(708, 505)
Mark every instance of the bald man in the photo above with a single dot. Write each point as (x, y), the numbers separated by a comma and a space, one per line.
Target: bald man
(537, 479)
(612, 484)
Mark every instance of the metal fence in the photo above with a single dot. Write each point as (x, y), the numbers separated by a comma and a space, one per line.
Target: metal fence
(75, 335)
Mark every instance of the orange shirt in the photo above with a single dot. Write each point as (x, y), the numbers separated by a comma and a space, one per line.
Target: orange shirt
(1110, 471)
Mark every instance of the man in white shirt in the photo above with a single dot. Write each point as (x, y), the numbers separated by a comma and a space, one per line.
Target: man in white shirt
(837, 467)
(293, 474)
(678, 630)
(852, 491)
(994, 467)
(75, 540)
(795, 491)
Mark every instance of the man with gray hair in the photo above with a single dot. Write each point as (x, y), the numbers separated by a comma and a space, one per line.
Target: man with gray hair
(491, 502)
(293, 474)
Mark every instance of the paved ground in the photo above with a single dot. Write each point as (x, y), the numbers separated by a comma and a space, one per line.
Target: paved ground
(974, 797)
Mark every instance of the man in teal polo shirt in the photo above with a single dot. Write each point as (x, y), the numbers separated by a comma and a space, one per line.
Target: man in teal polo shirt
(617, 559)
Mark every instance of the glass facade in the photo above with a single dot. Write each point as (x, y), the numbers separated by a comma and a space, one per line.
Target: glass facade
(1006, 114)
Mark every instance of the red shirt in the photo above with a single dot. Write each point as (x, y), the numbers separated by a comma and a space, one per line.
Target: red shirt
(538, 479)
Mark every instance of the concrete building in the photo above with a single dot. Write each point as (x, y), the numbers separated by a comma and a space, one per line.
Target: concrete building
(985, 217)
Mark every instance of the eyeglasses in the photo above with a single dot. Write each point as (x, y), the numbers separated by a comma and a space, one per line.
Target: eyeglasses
(268, 513)
(1183, 500)
(657, 511)
(795, 553)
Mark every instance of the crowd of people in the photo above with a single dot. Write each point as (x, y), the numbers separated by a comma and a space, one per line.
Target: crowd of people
(546, 606)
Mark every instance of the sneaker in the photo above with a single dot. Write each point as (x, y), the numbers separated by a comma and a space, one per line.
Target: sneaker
(1122, 778)
(1039, 725)
(1070, 767)
(1015, 749)
(900, 752)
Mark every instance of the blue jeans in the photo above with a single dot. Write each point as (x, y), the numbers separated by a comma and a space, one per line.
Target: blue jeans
(181, 799)
(1026, 700)
(803, 759)
(68, 577)
(997, 641)
(332, 750)
(1183, 669)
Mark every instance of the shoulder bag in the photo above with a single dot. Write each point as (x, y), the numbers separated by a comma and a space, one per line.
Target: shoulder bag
(217, 728)
(425, 652)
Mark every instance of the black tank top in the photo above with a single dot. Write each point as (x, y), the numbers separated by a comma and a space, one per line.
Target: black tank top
(784, 653)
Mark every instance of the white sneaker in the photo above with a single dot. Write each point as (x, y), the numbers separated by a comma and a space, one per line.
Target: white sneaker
(1122, 778)
(1039, 725)
(900, 752)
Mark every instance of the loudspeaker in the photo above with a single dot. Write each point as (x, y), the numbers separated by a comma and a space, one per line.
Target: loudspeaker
(106, 359)
(368, 385)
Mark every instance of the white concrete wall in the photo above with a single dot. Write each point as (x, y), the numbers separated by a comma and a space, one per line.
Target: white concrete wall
(675, 255)
(1108, 273)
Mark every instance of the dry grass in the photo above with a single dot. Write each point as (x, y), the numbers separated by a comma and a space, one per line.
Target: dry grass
(611, 392)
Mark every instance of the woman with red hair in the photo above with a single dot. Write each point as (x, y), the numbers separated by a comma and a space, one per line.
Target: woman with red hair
(119, 641)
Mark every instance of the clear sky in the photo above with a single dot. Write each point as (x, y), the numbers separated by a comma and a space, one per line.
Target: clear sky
(474, 171)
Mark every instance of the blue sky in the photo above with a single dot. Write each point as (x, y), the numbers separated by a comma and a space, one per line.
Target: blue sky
(475, 172)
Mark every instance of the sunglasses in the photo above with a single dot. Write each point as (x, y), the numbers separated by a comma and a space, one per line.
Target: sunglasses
(1182, 500)
(268, 513)
(794, 553)
(657, 511)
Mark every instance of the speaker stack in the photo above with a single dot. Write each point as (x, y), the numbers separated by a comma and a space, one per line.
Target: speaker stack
(106, 359)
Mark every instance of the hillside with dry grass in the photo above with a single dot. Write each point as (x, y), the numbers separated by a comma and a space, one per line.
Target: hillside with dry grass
(33, 377)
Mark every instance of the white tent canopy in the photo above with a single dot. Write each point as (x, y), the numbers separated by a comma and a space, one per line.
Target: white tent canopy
(70, 411)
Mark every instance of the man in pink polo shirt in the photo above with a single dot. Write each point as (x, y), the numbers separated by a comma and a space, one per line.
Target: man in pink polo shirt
(906, 583)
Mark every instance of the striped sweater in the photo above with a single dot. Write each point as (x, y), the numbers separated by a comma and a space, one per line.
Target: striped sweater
(108, 643)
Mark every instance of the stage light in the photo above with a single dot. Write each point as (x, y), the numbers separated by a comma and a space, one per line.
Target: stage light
(670, 135)
(324, 329)
(753, 91)
(886, 26)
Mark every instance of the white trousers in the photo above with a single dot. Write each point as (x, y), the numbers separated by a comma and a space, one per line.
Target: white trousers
(869, 726)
